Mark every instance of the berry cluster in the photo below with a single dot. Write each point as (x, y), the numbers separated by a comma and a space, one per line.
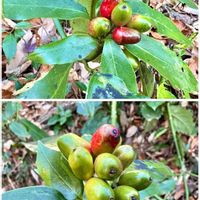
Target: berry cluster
(102, 165)
(117, 15)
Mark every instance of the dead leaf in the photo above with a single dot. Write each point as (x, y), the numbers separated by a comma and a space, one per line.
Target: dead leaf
(193, 64)
(46, 31)
(8, 88)
(20, 58)
(131, 131)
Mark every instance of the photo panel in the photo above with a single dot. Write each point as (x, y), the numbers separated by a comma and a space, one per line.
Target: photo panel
(100, 49)
(92, 150)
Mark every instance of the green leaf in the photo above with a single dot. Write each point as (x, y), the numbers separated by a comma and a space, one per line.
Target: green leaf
(182, 120)
(163, 24)
(189, 3)
(68, 50)
(50, 142)
(79, 25)
(115, 62)
(158, 170)
(9, 110)
(19, 130)
(158, 188)
(52, 86)
(28, 9)
(154, 104)
(34, 131)
(163, 93)
(55, 171)
(9, 46)
(165, 62)
(87, 108)
(148, 80)
(87, 4)
(108, 86)
(148, 113)
(19, 33)
(23, 25)
(53, 120)
(99, 118)
(33, 193)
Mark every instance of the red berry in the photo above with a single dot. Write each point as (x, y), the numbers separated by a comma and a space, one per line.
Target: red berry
(105, 139)
(124, 35)
(107, 7)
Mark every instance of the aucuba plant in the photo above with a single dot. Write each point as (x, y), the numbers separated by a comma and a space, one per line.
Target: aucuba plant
(115, 34)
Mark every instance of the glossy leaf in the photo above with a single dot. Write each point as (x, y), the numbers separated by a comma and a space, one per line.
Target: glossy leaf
(182, 119)
(154, 104)
(148, 80)
(68, 50)
(108, 86)
(23, 25)
(87, 108)
(87, 4)
(79, 25)
(49, 142)
(28, 9)
(163, 24)
(114, 61)
(34, 131)
(148, 113)
(165, 62)
(52, 86)
(158, 170)
(33, 193)
(158, 188)
(9, 46)
(10, 109)
(55, 171)
(163, 93)
(19, 130)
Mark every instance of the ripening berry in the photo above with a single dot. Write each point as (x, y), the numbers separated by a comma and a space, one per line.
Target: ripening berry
(107, 7)
(105, 139)
(140, 23)
(124, 35)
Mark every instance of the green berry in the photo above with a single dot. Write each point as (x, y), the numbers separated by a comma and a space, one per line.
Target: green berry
(99, 27)
(121, 14)
(81, 163)
(107, 166)
(140, 23)
(126, 193)
(138, 179)
(70, 141)
(135, 63)
(97, 189)
(126, 154)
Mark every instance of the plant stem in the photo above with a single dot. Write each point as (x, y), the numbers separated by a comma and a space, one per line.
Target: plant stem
(59, 28)
(181, 161)
(114, 113)
(93, 9)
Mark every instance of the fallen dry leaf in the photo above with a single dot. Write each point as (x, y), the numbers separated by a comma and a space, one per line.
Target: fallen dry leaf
(14, 67)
